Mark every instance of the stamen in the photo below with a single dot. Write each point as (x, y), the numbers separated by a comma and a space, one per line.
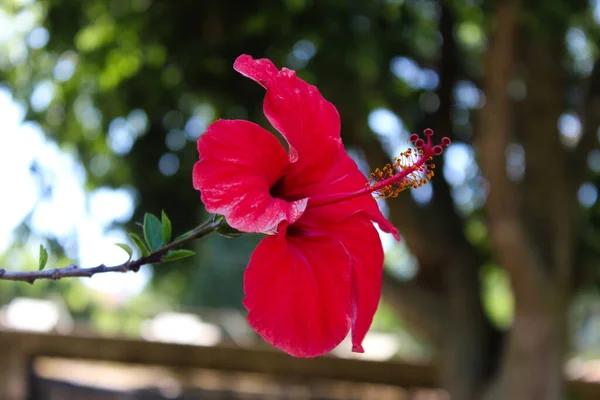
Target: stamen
(413, 168)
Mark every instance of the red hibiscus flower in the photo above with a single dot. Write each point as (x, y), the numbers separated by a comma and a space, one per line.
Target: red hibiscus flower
(317, 275)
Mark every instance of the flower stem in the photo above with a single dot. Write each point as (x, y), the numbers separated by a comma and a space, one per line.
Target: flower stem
(198, 232)
(72, 270)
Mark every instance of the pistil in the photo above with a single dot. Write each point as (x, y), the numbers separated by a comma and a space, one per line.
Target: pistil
(411, 169)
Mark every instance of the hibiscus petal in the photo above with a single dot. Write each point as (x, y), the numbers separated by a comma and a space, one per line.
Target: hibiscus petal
(298, 293)
(362, 244)
(361, 240)
(310, 124)
(344, 178)
(239, 164)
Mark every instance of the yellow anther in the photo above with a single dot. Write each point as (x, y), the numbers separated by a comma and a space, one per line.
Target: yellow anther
(418, 176)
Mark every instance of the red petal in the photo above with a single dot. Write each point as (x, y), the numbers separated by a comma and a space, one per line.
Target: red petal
(305, 290)
(363, 245)
(310, 124)
(263, 71)
(239, 164)
(298, 293)
(353, 180)
(344, 178)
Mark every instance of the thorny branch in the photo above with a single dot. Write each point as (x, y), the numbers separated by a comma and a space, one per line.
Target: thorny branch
(73, 271)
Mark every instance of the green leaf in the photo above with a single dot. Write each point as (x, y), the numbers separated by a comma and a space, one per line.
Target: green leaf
(43, 257)
(153, 232)
(183, 236)
(224, 229)
(228, 232)
(177, 255)
(126, 248)
(166, 227)
(140, 244)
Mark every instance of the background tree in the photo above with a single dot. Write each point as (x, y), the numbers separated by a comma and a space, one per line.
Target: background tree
(511, 81)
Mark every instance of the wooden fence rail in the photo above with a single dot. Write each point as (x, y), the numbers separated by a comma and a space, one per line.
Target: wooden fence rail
(18, 349)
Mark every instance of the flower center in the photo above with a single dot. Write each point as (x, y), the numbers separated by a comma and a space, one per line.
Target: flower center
(411, 169)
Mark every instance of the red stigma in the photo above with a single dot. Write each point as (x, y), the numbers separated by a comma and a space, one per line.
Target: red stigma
(413, 168)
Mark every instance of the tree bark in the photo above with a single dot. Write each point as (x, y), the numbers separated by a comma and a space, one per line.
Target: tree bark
(532, 223)
(443, 302)
(533, 228)
(533, 359)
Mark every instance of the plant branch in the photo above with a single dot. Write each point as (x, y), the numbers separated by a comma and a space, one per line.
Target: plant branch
(74, 271)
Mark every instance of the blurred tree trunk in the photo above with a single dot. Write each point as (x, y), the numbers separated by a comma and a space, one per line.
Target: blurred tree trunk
(446, 294)
(532, 222)
(443, 302)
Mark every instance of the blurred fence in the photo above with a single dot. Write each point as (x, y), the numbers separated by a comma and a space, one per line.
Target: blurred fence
(55, 367)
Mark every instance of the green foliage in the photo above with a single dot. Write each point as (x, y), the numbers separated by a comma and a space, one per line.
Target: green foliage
(226, 230)
(140, 244)
(497, 296)
(166, 227)
(177, 255)
(43, 258)
(183, 235)
(126, 248)
(153, 232)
